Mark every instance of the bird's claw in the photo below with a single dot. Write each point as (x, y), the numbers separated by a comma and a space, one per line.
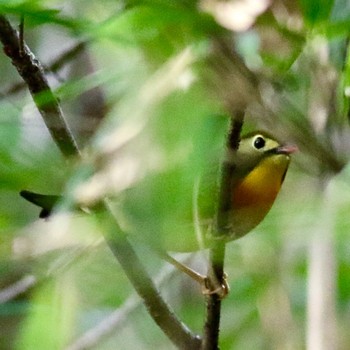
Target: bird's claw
(213, 286)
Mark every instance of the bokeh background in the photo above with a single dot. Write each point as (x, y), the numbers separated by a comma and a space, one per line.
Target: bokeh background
(148, 88)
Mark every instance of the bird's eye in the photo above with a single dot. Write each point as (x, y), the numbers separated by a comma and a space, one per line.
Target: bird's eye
(259, 142)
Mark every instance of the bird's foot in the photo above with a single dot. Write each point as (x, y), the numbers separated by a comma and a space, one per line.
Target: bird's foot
(212, 286)
(209, 285)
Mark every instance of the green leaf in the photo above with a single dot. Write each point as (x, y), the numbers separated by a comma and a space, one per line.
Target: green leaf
(335, 29)
(146, 23)
(36, 14)
(316, 11)
(49, 324)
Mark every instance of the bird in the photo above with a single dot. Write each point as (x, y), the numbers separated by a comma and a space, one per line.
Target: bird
(259, 167)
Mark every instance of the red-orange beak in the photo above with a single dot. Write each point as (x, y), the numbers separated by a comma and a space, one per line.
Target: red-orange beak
(286, 149)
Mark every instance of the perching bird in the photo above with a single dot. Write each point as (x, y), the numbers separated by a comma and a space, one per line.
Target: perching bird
(259, 168)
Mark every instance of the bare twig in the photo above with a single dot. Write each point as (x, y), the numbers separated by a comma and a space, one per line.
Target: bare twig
(52, 67)
(236, 86)
(217, 253)
(33, 74)
(92, 337)
(17, 288)
(65, 57)
(161, 313)
(213, 314)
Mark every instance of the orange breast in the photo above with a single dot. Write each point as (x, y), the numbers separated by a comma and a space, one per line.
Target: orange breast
(260, 186)
(254, 195)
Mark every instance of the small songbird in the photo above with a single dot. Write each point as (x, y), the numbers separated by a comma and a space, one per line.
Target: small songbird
(260, 166)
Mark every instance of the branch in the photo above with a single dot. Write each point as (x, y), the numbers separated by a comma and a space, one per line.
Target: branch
(17, 288)
(161, 313)
(110, 324)
(65, 57)
(52, 67)
(217, 253)
(235, 86)
(213, 313)
(33, 74)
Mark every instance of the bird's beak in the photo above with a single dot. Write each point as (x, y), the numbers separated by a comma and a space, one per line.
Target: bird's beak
(286, 149)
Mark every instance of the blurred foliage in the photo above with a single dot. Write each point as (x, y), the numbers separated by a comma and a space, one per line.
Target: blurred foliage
(164, 89)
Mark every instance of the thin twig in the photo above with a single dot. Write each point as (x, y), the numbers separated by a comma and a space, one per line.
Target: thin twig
(213, 313)
(65, 57)
(236, 86)
(52, 67)
(160, 311)
(33, 74)
(217, 253)
(109, 325)
(17, 288)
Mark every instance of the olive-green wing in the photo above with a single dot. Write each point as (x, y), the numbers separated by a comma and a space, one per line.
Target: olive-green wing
(209, 186)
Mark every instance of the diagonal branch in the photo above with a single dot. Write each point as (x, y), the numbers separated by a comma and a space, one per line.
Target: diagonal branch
(161, 313)
(33, 74)
(53, 67)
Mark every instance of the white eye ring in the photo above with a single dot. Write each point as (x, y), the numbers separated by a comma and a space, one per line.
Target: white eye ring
(259, 142)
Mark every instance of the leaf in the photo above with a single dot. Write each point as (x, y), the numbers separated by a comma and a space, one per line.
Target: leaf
(50, 320)
(36, 14)
(316, 11)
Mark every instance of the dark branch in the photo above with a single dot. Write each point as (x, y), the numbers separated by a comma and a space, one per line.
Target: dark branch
(227, 169)
(236, 86)
(52, 67)
(32, 73)
(177, 331)
(217, 253)
(65, 57)
(212, 322)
